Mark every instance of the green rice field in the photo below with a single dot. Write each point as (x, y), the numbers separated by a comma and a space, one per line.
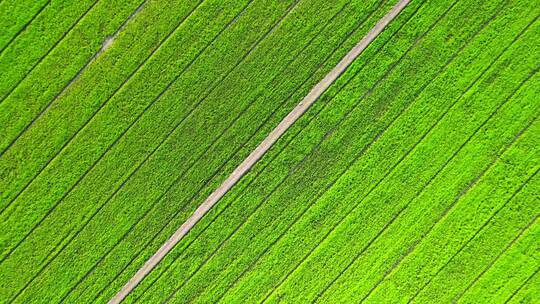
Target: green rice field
(412, 179)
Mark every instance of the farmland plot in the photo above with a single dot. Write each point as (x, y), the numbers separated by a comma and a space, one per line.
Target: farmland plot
(267, 235)
(171, 132)
(413, 178)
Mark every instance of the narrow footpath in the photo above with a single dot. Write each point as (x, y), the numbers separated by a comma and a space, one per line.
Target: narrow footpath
(264, 146)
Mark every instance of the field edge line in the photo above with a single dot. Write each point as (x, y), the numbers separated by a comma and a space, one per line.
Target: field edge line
(263, 147)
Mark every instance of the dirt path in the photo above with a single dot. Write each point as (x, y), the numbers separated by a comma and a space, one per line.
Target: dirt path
(264, 146)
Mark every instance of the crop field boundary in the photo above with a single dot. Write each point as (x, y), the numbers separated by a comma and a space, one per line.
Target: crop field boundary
(258, 174)
(24, 26)
(86, 12)
(261, 149)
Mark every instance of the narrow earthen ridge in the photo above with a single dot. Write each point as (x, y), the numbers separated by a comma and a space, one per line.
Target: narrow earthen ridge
(264, 146)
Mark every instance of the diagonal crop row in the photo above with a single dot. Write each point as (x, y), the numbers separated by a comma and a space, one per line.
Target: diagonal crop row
(181, 177)
(306, 222)
(37, 41)
(484, 248)
(314, 220)
(487, 204)
(506, 234)
(527, 292)
(103, 77)
(241, 136)
(69, 210)
(298, 216)
(76, 160)
(167, 150)
(66, 210)
(61, 63)
(412, 179)
(218, 25)
(381, 255)
(352, 232)
(495, 283)
(229, 218)
(198, 234)
(450, 186)
(15, 16)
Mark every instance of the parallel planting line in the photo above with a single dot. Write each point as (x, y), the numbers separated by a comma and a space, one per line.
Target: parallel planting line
(362, 152)
(283, 180)
(274, 157)
(222, 210)
(233, 122)
(349, 165)
(84, 68)
(35, 65)
(492, 263)
(377, 136)
(472, 237)
(235, 152)
(472, 184)
(484, 225)
(429, 182)
(522, 285)
(24, 27)
(111, 145)
(156, 148)
(389, 223)
(411, 249)
(447, 210)
(477, 232)
(281, 150)
(314, 94)
(125, 131)
(460, 195)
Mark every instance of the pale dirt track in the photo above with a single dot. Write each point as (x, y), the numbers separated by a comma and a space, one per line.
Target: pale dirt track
(264, 146)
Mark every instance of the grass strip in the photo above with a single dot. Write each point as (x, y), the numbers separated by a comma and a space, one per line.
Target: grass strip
(232, 144)
(527, 292)
(518, 219)
(168, 150)
(15, 16)
(192, 150)
(485, 247)
(38, 39)
(62, 65)
(175, 276)
(394, 287)
(511, 269)
(450, 187)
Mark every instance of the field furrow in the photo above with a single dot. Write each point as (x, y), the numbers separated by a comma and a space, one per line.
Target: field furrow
(39, 38)
(15, 16)
(413, 177)
(32, 98)
(495, 283)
